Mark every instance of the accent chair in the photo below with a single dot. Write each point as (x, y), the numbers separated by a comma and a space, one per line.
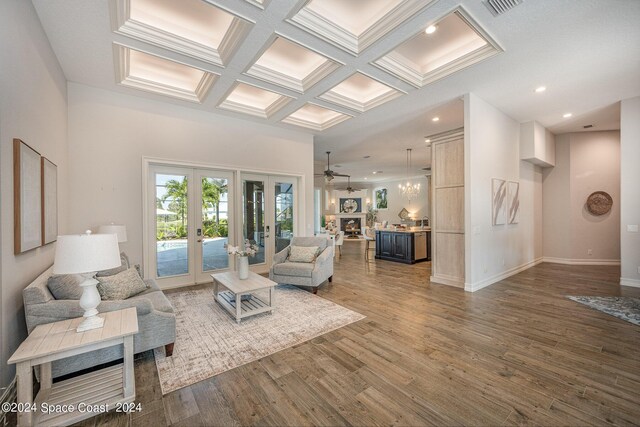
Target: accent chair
(307, 274)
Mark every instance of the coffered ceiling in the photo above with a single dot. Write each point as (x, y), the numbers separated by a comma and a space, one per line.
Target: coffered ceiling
(354, 71)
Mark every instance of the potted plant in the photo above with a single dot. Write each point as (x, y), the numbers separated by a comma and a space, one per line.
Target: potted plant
(243, 254)
(372, 216)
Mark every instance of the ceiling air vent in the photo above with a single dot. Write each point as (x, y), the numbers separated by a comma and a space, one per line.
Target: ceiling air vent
(498, 7)
(587, 126)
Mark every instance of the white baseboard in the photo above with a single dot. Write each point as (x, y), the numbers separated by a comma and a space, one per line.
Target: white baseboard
(447, 280)
(573, 261)
(634, 283)
(473, 287)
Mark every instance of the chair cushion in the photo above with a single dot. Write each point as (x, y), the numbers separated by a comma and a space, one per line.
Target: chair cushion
(65, 286)
(296, 269)
(303, 253)
(121, 286)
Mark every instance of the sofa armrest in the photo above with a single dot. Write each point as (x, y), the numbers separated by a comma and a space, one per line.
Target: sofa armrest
(325, 257)
(69, 309)
(281, 256)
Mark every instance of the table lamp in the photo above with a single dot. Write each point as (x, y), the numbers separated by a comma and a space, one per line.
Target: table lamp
(85, 254)
(117, 229)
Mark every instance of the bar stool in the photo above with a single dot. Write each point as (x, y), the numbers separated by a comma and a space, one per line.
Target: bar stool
(339, 242)
(369, 236)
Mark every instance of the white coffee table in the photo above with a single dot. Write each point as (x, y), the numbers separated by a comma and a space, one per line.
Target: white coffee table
(236, 288)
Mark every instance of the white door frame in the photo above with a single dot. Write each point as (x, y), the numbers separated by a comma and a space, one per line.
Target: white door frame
(150, 216)
(148, 162)
(269, 213)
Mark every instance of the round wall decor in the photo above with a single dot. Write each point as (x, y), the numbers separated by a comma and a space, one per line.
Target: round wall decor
(599, 203)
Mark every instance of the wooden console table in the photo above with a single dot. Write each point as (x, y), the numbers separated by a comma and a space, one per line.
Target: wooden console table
(102, 389)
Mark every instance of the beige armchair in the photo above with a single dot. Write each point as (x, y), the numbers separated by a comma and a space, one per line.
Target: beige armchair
(311, 274)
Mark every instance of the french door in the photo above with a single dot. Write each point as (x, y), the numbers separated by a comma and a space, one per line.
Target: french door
(269, 215)
(191, 219)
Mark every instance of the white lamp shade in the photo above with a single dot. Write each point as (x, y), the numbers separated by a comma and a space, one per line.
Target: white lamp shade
(117, 229)
(85, 253)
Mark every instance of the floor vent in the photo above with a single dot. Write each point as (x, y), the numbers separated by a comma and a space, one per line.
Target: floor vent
(498, 7)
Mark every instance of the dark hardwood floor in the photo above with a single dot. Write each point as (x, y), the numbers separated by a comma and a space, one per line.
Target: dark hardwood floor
(517, 352)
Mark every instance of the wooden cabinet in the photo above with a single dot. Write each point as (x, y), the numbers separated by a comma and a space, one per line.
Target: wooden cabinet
(384, 244)
(401, 246)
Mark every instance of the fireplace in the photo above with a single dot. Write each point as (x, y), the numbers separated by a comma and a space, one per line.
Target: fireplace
(350, 226)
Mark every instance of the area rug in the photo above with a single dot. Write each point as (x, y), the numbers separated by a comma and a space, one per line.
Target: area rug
(209, 341)
(625, 308)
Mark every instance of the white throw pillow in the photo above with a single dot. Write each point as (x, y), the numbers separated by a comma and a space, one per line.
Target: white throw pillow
(303, 253)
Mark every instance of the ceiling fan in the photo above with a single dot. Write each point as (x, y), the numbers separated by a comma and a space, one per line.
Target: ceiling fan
(349, 188)
(329, 174)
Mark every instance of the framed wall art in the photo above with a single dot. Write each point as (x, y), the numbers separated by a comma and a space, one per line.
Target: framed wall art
(350, 205)
(381, 199)
(513, 202)
(27, 197)
(49, 201)
(498, 201)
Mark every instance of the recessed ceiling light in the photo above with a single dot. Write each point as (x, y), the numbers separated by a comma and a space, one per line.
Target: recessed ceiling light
(427, 141)
(435, 119)
(365, 177)
(567, 115)
(431, 29)
(376, 172)
(541, 89)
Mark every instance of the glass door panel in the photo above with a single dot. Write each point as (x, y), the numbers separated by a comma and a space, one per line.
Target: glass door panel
(253, 206)
(284, 208)
(170, 219)
(215, 222)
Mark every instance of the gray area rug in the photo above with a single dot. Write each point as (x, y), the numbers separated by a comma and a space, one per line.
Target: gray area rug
(209, 341)
(625, 308)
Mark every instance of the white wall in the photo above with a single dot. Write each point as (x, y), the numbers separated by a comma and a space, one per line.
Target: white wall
(109, 134)
(556, 203)
(630, 193)
(33, 107)
(417, 208)
(335, 195)
(492, 151)
(395, 201)
(595, 166)
(586, 162)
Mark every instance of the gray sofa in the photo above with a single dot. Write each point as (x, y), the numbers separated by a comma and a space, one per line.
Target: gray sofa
(156, 321)
(304, 274)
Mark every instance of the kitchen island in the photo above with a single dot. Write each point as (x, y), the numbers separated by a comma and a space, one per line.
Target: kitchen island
(409, 245)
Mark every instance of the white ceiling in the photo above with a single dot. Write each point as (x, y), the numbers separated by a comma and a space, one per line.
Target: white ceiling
(586, 52)
(354, 16)
(197, 22)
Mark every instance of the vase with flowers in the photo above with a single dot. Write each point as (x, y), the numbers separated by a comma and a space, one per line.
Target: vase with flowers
(242, 254)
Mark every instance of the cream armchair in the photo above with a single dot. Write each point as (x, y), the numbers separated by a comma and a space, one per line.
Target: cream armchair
(311, 274)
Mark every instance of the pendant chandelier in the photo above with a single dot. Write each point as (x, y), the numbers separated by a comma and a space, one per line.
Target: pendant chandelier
(409, 190)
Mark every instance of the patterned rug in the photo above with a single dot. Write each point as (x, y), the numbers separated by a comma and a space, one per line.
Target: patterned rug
(625, 308)
(209, 341)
